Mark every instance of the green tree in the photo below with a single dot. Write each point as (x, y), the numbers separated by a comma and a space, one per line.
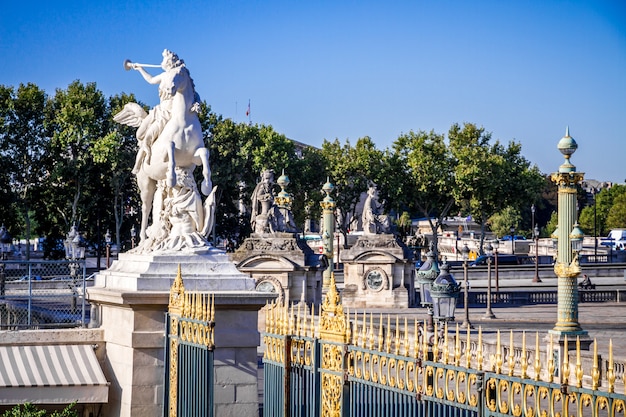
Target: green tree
(76, 118)
(502, 221)
(616, 217)
(490, 178)
(22, 148)
(424, 170)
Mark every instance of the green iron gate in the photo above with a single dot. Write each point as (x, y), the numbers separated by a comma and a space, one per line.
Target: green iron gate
(189, 353)
(334, 365)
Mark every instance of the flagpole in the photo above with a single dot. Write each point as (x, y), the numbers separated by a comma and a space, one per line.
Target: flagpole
(248, 114)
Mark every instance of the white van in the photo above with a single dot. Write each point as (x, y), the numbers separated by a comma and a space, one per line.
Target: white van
(616, 239)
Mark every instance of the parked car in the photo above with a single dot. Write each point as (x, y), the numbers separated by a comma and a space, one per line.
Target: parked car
(515, 237)
(502, 260)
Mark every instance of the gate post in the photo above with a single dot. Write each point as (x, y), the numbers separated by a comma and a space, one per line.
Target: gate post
(333, 339)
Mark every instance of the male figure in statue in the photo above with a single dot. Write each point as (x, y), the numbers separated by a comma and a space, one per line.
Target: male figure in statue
(373, 219)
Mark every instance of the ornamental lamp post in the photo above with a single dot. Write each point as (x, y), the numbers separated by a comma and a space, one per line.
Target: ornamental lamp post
(489, 251)
(107, 240)
(328, 215)
(445, 293)
(466, 321)
(536, 236)
(512, 230)
(568, 238)
(426, 275)
(496, 245)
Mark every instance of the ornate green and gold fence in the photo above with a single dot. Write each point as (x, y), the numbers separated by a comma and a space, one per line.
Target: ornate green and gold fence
(189, 353)
(337, 364)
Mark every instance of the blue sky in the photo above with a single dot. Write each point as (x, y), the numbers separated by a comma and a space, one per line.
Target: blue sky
(524, 70)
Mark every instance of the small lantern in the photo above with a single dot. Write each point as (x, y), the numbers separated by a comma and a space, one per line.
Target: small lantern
(465, 252)
(489, 250)
(444, 292)
(576, 237)
(107, 237)
(496, 245)
(555, 238)
(427, 273)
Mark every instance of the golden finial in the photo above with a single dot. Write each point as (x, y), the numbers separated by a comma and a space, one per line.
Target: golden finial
(524, 359)
(446, 351)
(435, 344)
(468, 350)
(610, 373)
(537, 358)
(511, 354)
(381, 338)
(177, 292)
(479, 349)
(457, 346)
(397, 337)
(348, 328)
(595, 371)
(565, 371)
(416, 340)
(579, 365)
(371, 333)
(424, 342)
(551, 365)
(498, 367)
(406, 337)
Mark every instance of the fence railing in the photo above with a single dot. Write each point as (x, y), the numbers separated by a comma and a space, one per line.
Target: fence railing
(43, 294)
(363, 366)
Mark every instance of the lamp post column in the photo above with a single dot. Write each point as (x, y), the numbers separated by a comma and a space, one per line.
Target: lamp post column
(466, 321)
(536, 233)
(489, 314)
(567, 268)
(328, 216)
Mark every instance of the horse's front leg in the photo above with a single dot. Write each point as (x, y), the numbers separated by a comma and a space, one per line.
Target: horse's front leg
(203, 155)
(171, 165)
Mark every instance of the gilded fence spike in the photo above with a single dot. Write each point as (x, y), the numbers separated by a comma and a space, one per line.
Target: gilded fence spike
(371, 333)
(397, 338)
(537, 358)
(406, 337)
(551, 365)
(595, 371)
(457, 346)
(579, 365)
(524, 359)
(388, 335)
(364, 330)
(565, 373)
(446, 352)
(348, 328)
(380, 333)
(479, 349)
(198, 302)
(424, 343)
(511, 361)
(498, 358)
(610, 373)
(468, 350)
(416, 340)
(435, 344)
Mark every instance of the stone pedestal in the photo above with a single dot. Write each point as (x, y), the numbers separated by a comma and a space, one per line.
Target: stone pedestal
(378, 272)
(131, 300)
(281, 263)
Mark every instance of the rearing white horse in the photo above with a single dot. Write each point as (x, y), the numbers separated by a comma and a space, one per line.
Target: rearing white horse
(169, 135)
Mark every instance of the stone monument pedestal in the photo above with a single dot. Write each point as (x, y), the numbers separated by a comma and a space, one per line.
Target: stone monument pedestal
(130, 300)
(378, 272)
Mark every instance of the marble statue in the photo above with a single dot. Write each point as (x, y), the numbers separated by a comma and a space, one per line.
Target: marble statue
(171, 146)
(271, 213)
(374, 221)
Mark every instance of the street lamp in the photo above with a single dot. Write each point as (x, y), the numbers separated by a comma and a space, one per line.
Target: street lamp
(536, 235)
(512, 230)
(445, 293)
(107, 239)
(489, 251)
(466, 321)
(133, 235)
(595, 230)
(567, 267)
(496, 245)
(426, 275)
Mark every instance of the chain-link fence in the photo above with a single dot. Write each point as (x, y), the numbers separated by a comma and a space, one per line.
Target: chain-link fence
(43, 294)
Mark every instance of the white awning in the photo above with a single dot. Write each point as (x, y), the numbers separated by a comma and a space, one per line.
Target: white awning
(52, 374)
